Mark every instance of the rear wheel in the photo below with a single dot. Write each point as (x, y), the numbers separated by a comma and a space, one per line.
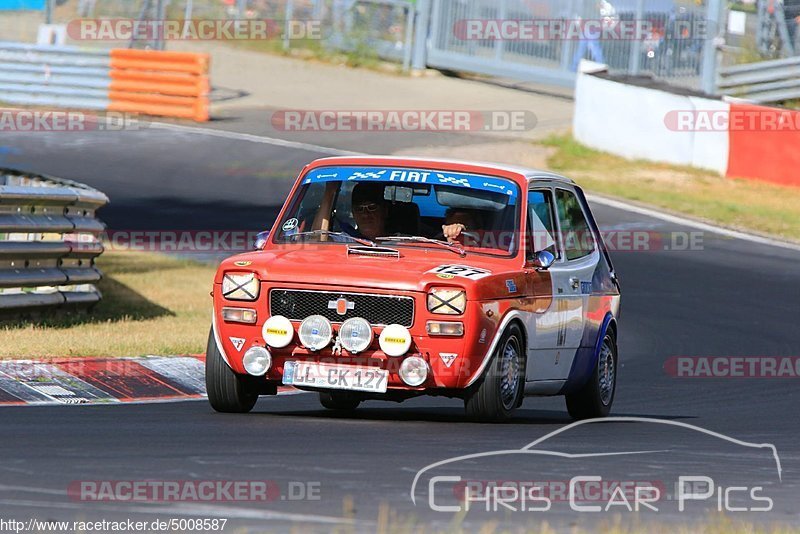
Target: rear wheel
(338, 400)
(227, 391)
(597, 396)
(500, 391)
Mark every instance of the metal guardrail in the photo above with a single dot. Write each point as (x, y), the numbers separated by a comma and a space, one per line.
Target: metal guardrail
(762, 82)
(119, 80)
(54, 76)
(49, 239)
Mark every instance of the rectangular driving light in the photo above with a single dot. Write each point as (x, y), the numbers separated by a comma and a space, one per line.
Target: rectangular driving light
(444, 328)
(447, 301)
(240, 286)
(239, 315)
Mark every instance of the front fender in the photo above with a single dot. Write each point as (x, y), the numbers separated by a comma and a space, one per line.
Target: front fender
(507, 318)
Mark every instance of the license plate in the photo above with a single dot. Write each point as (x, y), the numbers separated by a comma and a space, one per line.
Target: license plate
(328, 376)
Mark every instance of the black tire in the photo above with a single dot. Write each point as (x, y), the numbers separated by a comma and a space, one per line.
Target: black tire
(227, 391)
(501, 388)
(596, 397)
(339, 401)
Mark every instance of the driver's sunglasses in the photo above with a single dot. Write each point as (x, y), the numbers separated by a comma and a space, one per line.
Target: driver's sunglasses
(366, 208)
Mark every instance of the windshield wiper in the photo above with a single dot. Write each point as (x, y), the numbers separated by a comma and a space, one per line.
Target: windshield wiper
(453, 247)
(365, 242)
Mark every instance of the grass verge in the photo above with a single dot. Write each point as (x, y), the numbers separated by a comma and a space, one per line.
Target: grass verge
(152, 304)
(742, 204)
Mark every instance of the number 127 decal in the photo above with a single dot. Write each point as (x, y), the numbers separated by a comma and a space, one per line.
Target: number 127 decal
(463, 271)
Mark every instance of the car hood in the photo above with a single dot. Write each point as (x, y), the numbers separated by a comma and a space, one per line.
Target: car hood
(331, 264)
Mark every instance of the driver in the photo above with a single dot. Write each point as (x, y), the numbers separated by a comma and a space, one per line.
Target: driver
(370, 210)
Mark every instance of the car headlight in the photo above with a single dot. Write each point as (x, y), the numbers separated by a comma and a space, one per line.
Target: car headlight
(240, 286)
(356, 335)
(447, 301)
(257, 361)
(414, 371)
(315, 332)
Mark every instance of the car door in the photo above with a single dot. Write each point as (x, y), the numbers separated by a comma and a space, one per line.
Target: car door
(572, 279)
(544, 328)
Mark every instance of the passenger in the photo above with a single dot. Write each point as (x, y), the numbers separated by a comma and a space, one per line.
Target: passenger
(370, 211)
(460, 220)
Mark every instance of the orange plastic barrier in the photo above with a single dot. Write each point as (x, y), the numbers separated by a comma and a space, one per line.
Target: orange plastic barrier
(154, 82)
(764, 144)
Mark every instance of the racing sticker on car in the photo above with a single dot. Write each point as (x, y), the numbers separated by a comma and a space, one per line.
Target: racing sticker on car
(237, 343)
(290, 225)
(463, 271)
(448, 358)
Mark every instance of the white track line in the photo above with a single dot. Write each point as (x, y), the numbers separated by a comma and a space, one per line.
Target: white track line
(616, 204)
(236, 136)
(727, 232)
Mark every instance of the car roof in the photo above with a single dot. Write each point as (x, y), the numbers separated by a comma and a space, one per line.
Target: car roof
(528, 174)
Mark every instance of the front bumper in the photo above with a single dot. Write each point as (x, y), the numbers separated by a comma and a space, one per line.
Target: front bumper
(452, 361)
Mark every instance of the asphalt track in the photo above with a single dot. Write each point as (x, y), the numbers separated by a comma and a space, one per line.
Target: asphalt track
(729, 298)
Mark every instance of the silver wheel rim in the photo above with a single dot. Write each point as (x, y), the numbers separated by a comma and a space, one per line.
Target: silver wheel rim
(607, 374)
(509, 369)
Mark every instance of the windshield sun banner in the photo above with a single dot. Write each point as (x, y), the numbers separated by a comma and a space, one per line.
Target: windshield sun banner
(413, 176)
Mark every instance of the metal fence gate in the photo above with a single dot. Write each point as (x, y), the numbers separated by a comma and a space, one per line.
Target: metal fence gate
(679, 47)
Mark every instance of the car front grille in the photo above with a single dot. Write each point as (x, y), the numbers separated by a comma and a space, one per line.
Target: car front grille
(379, 310)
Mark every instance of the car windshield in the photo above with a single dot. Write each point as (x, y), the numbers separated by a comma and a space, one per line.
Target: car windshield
(465, 213)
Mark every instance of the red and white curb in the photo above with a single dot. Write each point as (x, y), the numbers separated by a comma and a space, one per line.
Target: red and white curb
(103, 380)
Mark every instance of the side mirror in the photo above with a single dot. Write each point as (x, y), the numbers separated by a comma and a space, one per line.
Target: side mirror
(261, 240)
(543, 260)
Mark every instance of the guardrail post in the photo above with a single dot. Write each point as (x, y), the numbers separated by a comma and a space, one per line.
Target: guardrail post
(566, 44)
(48, 14)
(635, 61)
(714, 21)
(500, 44)
(288, 25)
(419, 59)
(161, 13)
(189, 10)
(408, 38)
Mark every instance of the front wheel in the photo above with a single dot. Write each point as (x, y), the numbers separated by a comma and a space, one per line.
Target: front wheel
(500, 391)
(595, 398)
(227, 391)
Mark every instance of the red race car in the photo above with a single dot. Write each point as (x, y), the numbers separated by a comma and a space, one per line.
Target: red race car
(388, 278)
